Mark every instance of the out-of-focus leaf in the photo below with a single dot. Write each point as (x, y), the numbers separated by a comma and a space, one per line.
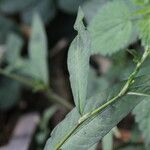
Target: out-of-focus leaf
(70, 6)
(91, 7)
(142, 115)
(107, 141)
(6, 26)
(9, 93)
(113, 19)
(37, 66)
(141, 2)
(13, 48)
(14, 6)
(95, 83)
(134, 147)
(78, 63)
(144, 27)
(44, 124)
(45, 8)
(94, 129)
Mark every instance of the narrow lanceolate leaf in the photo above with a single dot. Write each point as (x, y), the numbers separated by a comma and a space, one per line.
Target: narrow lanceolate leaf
(112, 28)
(96, 127)
(144, 27)
(38, 51)
(78, 63)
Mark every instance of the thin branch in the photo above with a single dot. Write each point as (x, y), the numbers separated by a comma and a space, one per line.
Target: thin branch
(30, 83)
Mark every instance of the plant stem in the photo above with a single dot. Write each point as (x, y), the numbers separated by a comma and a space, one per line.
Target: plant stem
(30, 83)
(57, 99)
(122, 93)
(25, 81)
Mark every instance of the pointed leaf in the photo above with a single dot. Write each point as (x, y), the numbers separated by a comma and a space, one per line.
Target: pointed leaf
(78, 63)
(38, 50)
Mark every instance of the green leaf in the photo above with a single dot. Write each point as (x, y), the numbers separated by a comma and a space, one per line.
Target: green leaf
(14, 44)
(142, 115)
(38, 51)
(44, 124)
(94, 147)
(9, 93)
(78, 63)
(6, 26)
(44, 8)
(107, 141)
(112, 28)
(94, 6)
(144, 27)
(94, 129)
(15, 6)
(70, 6)
(141, 2)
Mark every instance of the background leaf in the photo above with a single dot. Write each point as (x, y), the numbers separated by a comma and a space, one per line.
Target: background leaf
(44, 8)
(70, 6)
(37, 65)
(113, 19)
(13, 48)
(9, 95)
(142, 116)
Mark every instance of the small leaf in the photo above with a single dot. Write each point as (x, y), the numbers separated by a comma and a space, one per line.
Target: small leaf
(78, 63)
(38, 51)
(112, 28)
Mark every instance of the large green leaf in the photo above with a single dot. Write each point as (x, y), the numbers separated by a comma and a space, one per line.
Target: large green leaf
(37, 65)
(94, 6)
(94, 129)
(44, 8)
(78, 63)
(112, 28)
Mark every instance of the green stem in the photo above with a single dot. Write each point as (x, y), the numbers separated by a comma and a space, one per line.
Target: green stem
(57, 99)
(30, 83)
(25, 81)
(122, 93)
